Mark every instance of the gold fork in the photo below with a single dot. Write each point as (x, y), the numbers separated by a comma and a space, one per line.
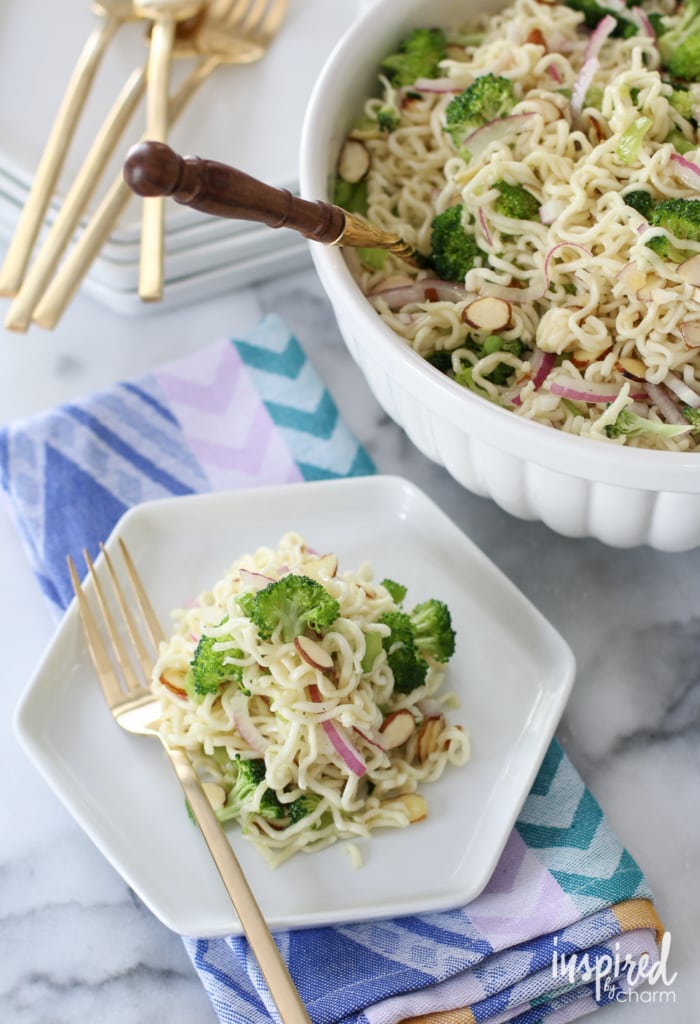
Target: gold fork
(111, 14)
(137, 710)
(242, 34)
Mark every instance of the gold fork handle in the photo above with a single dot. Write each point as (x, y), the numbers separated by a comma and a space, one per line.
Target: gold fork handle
(282, 989)
(60, 291)
(34, 285)
(52, 158)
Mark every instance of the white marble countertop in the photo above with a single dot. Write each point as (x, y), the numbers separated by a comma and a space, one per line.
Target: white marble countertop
(76, 945)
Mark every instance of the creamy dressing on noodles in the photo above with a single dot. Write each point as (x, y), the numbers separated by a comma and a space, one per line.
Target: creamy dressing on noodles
(583, 286)
(273, 716)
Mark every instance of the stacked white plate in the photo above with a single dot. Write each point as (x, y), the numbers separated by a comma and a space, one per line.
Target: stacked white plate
(249, 116)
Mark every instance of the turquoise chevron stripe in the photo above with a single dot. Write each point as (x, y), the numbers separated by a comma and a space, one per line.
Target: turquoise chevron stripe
(298, 404)
(623, 884)
(578, 834)
(563, 825)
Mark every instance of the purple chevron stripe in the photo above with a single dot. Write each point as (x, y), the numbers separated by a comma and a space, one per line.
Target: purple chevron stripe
(232, 436)
(522, 898)
(205, 380)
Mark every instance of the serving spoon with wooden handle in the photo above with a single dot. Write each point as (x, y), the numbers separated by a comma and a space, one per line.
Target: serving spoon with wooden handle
(153, 169)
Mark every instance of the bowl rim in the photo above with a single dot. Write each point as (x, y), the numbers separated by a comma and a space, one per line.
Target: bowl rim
(553, 449)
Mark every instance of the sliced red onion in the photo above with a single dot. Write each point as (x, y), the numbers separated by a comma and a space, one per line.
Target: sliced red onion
(339, 741)
(687, 171)
(679, 387)
(555, 73)
(402, 295)
(590, 63)
(555, 248)
(438, 85)
(666, 403)
(580, 392)
(539, 289)
(641, 17)
(541, 365)
(485, 227)
(493, 131)
(244, 725)
(254, 580)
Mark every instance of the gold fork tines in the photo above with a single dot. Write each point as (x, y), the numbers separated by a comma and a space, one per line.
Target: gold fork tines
(136, 709)
(231, 32)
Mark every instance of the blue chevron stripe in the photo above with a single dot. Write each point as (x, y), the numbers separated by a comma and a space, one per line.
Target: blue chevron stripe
(150, 400)
(113, 441)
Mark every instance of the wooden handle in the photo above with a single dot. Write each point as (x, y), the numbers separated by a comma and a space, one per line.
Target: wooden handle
(153, 169)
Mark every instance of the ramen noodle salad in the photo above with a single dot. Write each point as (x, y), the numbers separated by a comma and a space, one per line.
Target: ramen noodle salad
(563, 151)
(310, 699)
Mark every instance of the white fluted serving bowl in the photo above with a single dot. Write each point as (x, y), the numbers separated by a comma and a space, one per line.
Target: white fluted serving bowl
(625, 497)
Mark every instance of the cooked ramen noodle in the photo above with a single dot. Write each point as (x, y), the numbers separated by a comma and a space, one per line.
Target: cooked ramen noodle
(305, 718)
(582, 311)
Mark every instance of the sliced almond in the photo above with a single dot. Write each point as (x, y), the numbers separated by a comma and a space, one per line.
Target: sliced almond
(428, 738)
(413, 803)
(396, 728)
(652, 282)
(313, 654)
(174, 681)
(324, 565)
(690, 333)
(632, 277)
(689, 270)
(354, 161)
(215, 793)
(488, 313)
(631, 367)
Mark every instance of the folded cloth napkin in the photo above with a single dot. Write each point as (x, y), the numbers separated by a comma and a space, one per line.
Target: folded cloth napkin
(567, 917)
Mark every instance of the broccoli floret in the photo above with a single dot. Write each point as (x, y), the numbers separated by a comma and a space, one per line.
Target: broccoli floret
(432, 629)
(693, 416)
(441, 360)
(630, 424)
(208, 669)
(501, 372)
(679, 45)
(515, 201)
(594, 12)
(303, 806)
(294, 603)
(373, 645)
(396, 590)
(681, 218)
(249, 775)
(352, 196)
(631, 140)
(489, 97)
(454, 250)
(641, 201)
(418, 56)
(682, 101)
(387, 110)
(407, 667)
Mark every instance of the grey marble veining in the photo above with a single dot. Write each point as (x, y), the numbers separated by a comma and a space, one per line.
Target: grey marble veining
(77, 946)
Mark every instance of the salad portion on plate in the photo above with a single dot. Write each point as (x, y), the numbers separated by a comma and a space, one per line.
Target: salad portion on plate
(509, 678)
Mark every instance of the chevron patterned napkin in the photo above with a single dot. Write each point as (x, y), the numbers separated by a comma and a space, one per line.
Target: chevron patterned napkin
(566, 923)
